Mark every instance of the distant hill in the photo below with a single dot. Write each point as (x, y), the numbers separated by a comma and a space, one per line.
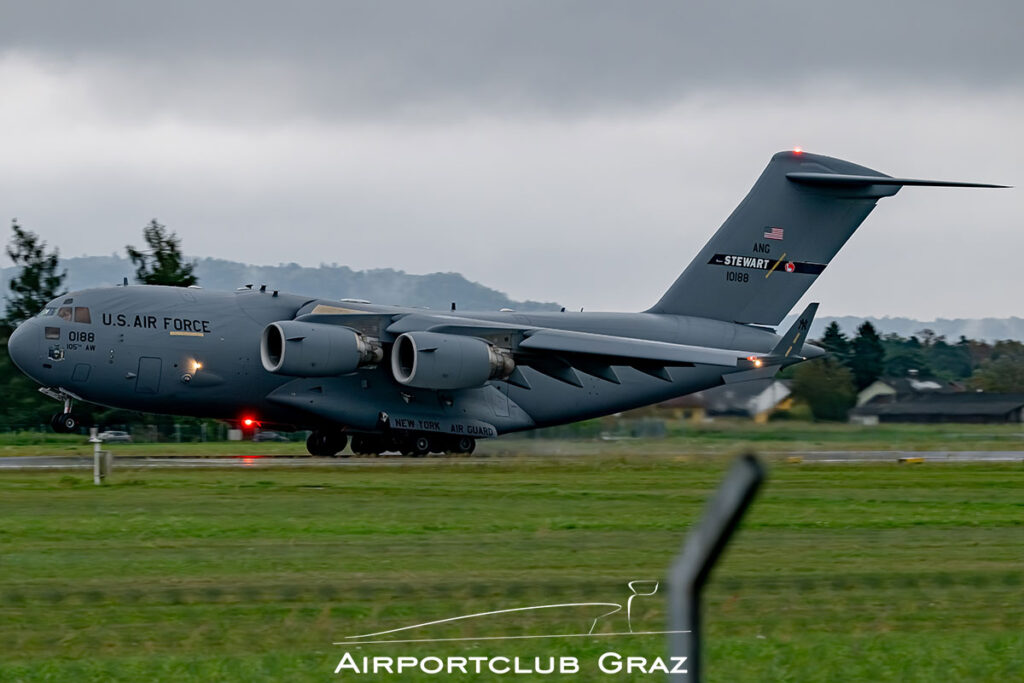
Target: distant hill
(987, 329)
(382, 286)
(438, 290)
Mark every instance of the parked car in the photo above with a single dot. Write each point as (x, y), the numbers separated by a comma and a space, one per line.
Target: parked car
(115, 437)
(269, 436)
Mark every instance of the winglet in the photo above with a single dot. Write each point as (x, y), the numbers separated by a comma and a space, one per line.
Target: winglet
(793, 340)
(787, 351)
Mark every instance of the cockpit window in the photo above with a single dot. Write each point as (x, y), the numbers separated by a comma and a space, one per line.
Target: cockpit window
(68, 301)
(48, 311)
(64, 313)
(82, 315)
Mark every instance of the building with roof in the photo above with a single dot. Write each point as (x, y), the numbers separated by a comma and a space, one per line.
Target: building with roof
(756, 399)
(975, 407)
(899, 388)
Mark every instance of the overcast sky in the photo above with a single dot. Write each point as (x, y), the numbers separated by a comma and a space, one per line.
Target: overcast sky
(579, 152)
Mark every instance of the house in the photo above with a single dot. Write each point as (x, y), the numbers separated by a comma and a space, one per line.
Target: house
(977, 407)
(898, 388)
(757, 399)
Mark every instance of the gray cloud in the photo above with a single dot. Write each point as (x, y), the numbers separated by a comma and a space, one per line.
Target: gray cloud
(571, 151)
(357, 59)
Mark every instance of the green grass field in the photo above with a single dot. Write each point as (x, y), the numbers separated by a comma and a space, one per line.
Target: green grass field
(720, 436)
(840, 572)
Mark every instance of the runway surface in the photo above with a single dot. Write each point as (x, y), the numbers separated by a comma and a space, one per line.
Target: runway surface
(75, 462)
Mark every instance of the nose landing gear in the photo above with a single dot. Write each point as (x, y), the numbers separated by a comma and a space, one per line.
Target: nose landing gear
(66, 422)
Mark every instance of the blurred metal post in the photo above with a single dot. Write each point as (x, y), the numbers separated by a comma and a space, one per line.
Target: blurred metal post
(102, 461)
(701, 550)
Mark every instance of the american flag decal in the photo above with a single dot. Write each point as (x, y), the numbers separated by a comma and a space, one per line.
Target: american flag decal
(773, 233)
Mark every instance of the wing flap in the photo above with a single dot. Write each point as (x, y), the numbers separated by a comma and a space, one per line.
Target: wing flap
(628, 351)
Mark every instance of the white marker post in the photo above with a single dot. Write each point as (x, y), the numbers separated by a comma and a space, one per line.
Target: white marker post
(102, 461)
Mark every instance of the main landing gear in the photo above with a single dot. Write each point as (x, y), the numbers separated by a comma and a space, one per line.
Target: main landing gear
(326, 443)
(414, 445)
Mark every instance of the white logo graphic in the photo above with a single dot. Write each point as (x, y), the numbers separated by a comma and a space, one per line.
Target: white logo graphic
(636, 589)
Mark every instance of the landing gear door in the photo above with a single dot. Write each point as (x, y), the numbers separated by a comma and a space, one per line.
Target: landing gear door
(148, 379)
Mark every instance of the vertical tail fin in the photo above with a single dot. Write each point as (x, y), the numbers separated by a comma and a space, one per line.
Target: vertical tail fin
(798, 215)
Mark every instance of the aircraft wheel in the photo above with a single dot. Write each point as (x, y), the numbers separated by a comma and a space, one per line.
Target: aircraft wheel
(366, 445)
(326, 444)
(375, 445)
(314, 443)
(415, 446)
(336, 443)
(464, 444)
(65, 423)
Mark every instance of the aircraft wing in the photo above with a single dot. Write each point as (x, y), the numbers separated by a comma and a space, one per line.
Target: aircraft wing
(561, 353)
(535, 339)
(554, 352)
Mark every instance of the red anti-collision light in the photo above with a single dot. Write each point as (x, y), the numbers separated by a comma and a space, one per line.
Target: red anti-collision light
(798, 150)
(248, 422)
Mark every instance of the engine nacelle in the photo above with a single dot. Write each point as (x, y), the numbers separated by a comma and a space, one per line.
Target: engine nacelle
(428, 360)
(299, 349)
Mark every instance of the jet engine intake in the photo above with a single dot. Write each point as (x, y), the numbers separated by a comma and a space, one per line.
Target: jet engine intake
(299, 349)
(429, 360)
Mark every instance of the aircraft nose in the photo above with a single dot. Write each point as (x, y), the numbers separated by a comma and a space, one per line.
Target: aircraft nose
(23, 346)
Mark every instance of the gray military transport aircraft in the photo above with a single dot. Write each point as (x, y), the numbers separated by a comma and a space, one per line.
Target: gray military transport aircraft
(420, 381)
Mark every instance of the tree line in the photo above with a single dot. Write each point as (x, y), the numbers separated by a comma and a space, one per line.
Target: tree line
(829, 385)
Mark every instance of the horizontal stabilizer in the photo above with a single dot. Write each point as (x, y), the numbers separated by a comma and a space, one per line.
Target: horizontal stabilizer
(848, 180)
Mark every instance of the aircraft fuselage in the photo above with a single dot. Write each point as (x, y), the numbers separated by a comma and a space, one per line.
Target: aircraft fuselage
(195, 352)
